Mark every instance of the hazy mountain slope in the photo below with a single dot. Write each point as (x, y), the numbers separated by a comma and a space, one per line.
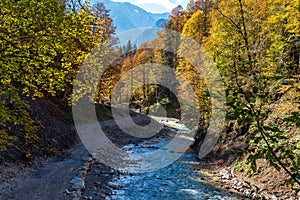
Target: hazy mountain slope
(127, 16)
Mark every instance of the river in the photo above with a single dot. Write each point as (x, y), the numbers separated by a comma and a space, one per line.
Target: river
(178, 180)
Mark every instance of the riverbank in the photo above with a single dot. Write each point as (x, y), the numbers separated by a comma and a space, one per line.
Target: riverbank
(224, 171)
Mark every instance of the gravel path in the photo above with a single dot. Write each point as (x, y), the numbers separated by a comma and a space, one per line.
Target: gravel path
(47, 181)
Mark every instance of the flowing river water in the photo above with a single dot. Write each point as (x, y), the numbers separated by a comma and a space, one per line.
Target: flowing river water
(178, 180)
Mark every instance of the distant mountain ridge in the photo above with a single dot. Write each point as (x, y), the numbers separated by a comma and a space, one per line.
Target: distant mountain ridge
(127, 16)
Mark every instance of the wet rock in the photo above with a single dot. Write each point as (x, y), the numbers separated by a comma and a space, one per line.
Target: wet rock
(152, 147)
(67, 192)
(78, 183)
(86, 197)
(112, 172)
(75, 194)
(98, 184)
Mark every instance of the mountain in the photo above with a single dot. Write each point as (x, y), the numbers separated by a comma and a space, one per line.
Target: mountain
(127, 16)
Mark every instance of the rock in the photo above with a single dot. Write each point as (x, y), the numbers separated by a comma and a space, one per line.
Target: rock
(224, 174)
(86, 197)
(246, 184)
(112, 172)
(75, 195)
(83, 174)
(78, 183)
(234, 181)
(98, 184)
(67, 191)
(226, 187)
(238, 185)
(274, 197)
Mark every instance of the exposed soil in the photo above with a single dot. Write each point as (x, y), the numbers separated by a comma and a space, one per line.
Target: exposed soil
(54, 135)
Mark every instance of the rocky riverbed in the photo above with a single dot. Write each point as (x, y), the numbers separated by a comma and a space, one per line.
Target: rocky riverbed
(179, 180)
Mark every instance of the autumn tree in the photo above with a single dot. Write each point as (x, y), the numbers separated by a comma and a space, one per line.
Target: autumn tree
(249, 41)
(43, 44)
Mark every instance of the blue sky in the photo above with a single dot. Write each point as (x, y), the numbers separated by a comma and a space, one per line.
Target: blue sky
(157, 6)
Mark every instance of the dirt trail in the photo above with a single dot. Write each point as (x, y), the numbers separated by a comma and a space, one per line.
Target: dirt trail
(47, 181)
